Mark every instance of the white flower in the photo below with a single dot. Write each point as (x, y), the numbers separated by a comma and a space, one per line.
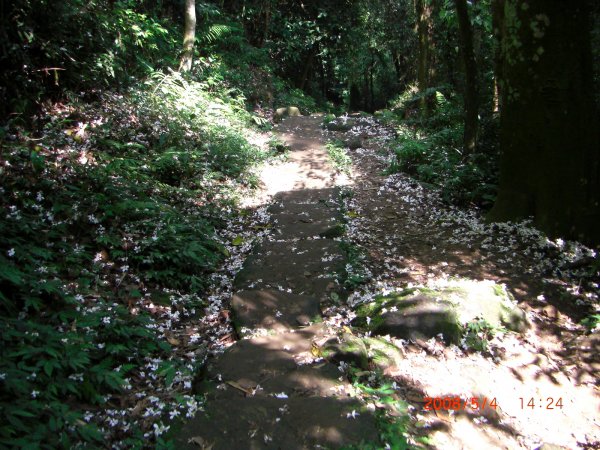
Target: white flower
(34, 394)
(11, 252)
(159, 428)
(352, 414)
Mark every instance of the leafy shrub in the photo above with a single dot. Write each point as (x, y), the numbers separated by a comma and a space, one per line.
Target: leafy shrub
(478, 333)
(73, 45)
(338, 157)
(433, 153)
(108, 213)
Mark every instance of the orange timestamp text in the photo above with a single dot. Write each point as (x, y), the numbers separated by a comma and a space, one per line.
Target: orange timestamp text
(458, 403)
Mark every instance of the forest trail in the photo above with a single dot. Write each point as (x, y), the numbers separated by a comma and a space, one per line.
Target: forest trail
(271, 389)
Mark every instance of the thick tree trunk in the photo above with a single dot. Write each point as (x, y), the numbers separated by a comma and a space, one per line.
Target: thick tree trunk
(550, 142)
(189, 36)
(423, 12)
(471, 95)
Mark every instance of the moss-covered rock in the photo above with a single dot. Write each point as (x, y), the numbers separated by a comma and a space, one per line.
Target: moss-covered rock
(425, 313)
(282, 113)
(347, 348)
(383, 355)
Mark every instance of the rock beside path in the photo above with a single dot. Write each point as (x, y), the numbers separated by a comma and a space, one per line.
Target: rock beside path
(425, 313)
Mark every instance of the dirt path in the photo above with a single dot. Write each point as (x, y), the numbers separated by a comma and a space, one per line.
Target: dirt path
(271, 389)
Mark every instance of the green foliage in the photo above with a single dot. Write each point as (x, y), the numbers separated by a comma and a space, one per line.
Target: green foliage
(338, 156)
(74, 45)
(286, 96)
(430, 150)
(478, 333)
(328, 118)
(591, 322)
(112, 210)
(393, 419)
(356, 273)
(203, 136)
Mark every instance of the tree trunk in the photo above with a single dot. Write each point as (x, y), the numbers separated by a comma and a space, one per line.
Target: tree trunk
(549, 136)
(307, 68)
(497, 19)
(423, 12)
(372, 83)
(189, 36)
(471, 95)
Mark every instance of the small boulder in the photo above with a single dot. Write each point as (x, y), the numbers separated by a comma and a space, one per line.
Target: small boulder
(383, 355)
(425, 313)
(347, 348)
(353, 142)
(282, 113)
(342, 124)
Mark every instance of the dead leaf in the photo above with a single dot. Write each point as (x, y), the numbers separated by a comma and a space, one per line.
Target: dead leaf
(236, 385)
(315, 350)
(199, 440)
(173, 341)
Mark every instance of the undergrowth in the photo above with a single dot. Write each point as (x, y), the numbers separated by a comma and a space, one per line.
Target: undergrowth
(392, 415)
(429, 148)
(109, 234)
(338, 156)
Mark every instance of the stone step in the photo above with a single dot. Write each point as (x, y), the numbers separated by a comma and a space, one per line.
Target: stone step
(277, 363)
(272, 310)
(258, 423)
(301, 214)
(275, 386)
(305, 267)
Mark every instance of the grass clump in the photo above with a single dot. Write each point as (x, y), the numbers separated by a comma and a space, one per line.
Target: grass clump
(338, 156)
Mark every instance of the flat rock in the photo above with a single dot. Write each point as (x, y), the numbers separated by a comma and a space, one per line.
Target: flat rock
(306, 267)
(425, 313)
(342, 124)
(299, 216)
(272, 365)
(273, 423)
(272, 310)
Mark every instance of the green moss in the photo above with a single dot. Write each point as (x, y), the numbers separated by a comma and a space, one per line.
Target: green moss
(499, 290)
